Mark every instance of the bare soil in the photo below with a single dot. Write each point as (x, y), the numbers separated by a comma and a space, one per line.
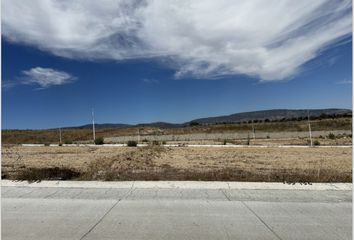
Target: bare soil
(179, 163)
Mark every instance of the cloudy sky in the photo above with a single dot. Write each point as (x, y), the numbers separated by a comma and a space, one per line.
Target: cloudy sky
(159, 60)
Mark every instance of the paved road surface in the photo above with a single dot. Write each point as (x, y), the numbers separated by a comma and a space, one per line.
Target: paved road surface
(175, 211)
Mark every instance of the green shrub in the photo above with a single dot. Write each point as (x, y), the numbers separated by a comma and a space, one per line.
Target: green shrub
(331, 136)
(163, 142)
(224, 142)
(145, 140)
(60, 144)
(68, 142)
(99, 141)
(268, 137)
(316, 143)
(132, 144)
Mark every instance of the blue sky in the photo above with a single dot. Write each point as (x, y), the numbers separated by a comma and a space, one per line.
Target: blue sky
(54, 81)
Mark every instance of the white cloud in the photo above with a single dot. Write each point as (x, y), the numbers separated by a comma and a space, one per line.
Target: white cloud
(269, 39)
(6, 84)
(46, 77)
(151, 81)
(344, 82)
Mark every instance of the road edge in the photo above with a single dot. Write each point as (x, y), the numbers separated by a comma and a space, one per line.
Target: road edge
(183, 185)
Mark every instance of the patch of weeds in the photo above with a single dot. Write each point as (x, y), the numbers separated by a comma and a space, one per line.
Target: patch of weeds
(156, 143)
(331, 136)
(132, 144)
(38, 174)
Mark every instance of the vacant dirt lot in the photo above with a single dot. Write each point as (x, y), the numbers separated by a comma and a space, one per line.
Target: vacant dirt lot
(181, 163)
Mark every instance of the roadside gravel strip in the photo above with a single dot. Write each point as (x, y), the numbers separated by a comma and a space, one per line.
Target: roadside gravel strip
(182, 185)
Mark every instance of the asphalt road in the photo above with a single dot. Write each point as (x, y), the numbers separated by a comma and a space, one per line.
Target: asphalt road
(169, 210)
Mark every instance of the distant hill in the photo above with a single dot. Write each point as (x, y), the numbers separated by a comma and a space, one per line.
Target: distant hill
(103, 125)
(121, 125)
(275, 114)
(160, 125)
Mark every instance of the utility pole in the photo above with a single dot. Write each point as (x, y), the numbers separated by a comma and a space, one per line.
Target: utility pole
(60, 136)
(93, 125)
(253, 131)
(310, 133)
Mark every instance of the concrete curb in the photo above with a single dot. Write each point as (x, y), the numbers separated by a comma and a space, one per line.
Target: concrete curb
(182, 185)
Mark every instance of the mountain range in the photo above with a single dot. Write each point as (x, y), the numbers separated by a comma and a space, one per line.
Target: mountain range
(273, 114)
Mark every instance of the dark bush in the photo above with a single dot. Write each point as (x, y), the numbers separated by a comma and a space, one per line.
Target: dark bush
(193, 123)
(316, 143)
(156, 143)
(331, 136)
(68, 142)
(99, 141)
(132, 144)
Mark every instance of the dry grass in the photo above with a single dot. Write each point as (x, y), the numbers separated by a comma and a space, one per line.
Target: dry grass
(161, 163)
